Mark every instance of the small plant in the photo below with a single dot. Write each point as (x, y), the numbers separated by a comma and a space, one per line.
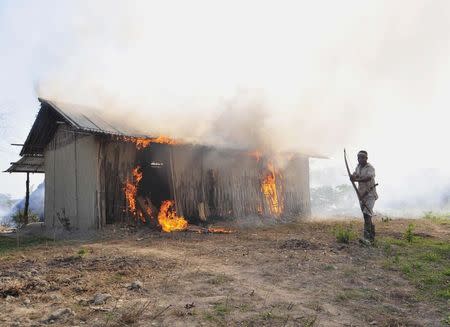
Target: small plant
(20, 220)
(82, 252)
(445, 294)
(221, 309)
(447, 320)
(406, 269)
(409, 233)
(387, 248)
(133, 313)
(396, 259)
(329, 267)
(431, 257)
(386, 219)
(310, 321)
(266, 315)
(343, 234)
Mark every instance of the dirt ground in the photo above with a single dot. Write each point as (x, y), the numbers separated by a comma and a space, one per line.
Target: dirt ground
(283, 275)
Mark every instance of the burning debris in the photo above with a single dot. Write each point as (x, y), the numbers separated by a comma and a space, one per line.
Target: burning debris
(168, 219)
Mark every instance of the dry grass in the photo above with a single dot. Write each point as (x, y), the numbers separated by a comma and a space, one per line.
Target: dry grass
(285, 275)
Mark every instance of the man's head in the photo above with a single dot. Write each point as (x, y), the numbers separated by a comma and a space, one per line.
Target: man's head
(362, 157)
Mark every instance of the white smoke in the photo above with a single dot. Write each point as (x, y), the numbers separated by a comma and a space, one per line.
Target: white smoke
(286, 75)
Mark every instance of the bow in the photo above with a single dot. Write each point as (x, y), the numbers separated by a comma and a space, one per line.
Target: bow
(360, 197)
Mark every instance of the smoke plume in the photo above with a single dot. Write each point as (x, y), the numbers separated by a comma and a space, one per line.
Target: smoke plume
(287, 76)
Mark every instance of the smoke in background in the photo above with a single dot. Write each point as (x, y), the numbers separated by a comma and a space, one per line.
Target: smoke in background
(301, 75)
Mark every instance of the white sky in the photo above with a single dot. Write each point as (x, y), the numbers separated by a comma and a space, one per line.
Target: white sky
(360, 74)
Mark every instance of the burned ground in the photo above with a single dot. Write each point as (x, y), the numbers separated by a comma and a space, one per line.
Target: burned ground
(285, 275)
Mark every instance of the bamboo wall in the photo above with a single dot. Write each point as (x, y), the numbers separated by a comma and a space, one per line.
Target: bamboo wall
(228, 184)
(117, 160)
(204, 182)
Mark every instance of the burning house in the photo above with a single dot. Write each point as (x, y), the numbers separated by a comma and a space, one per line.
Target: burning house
(97, 173)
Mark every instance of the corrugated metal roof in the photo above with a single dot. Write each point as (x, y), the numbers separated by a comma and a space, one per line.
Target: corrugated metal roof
(27, 164)
(80, 118)
(87, 119)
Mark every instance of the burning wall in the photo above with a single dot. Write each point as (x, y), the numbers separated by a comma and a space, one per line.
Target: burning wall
(203, 183)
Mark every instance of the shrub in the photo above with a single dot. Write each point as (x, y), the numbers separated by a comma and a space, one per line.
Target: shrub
(343, 234)
(82, 252)
(409, 233)
(19, 218)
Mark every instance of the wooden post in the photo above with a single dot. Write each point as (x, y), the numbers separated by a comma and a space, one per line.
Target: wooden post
(27, 200)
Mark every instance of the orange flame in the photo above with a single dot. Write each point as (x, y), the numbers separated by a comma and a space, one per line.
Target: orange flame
(163, 140)
(168, 219)
(269, 190)
(220, 230)
(143, 142)
(130, 190)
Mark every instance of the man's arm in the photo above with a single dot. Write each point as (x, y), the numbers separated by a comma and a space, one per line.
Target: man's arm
(361, 179)
(369, 174)
(354, 176)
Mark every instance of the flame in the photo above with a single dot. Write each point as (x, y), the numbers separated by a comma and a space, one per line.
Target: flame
(141, 143)
(148, 210)
(168, 219)
(220, 230)
(269, 190)
(144, 142)
(163, 140)
(131, 184)
(130, 189)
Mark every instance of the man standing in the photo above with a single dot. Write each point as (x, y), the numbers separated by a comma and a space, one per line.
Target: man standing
(365, 176)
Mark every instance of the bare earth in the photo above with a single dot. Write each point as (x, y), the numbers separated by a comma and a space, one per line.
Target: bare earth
(283, 275)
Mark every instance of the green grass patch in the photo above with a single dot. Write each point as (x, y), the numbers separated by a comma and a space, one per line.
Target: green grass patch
(439, 218)
(354, 294)
(82, 252)
(329, 268)
(9, 244)
(348, 294)
(218, 314)
(446, 320)
(269, 316)
(221, 309)
(344, 234)
(424, 261)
